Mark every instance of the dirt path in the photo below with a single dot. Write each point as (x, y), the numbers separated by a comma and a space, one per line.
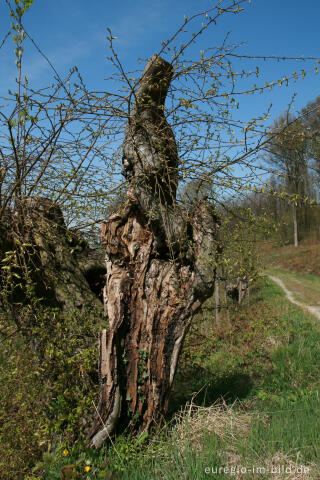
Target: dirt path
(312, 309)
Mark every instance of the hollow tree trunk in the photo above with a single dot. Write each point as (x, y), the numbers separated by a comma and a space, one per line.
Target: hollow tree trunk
(54, 259)
(160, 268)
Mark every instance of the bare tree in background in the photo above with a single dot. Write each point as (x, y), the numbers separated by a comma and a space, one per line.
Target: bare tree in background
(288, 153)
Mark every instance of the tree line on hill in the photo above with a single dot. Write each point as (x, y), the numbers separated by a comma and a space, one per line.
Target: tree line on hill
(290, 198)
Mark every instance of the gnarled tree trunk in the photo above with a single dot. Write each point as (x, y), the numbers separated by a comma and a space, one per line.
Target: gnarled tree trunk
(160, 268)
(58, 262)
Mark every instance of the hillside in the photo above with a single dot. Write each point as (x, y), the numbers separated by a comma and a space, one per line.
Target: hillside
(304, 259)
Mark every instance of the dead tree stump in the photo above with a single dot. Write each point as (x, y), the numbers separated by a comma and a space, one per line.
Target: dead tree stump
(160, 268)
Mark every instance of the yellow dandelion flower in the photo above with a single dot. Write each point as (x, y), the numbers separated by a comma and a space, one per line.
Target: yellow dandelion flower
(87, 468)
(65, 452)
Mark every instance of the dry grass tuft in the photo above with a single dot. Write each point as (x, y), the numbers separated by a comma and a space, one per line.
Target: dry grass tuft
(231, 424)
(278, 467)
(294, 469)
(196, 422)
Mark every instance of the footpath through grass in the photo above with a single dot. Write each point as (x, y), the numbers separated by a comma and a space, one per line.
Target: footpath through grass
(304, 286)
(266, 365)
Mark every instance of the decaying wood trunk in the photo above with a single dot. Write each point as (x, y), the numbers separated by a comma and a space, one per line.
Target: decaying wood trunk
(55, 260)
(160, 268)
(238, 290)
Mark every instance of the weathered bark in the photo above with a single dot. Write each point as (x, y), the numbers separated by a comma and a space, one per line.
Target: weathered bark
(238, 290)
(56, 261)
(160, 268)
(243, 288)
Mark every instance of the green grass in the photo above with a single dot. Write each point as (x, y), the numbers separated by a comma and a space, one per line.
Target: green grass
(305, 287)
(293, 427)
(269, 359)
(271, 344)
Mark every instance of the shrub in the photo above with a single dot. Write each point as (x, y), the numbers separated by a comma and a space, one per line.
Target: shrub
(48, 381)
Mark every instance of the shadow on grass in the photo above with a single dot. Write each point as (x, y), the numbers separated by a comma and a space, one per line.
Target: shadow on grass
(205, 390)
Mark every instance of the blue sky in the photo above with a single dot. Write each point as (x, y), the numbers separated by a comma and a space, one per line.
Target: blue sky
(74, 33)
(71, 32)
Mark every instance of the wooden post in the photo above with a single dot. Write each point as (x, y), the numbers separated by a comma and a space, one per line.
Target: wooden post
(217, 304)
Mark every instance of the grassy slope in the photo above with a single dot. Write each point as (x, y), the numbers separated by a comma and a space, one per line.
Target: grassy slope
(268, 359)
(298, 268)
(304, 259)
